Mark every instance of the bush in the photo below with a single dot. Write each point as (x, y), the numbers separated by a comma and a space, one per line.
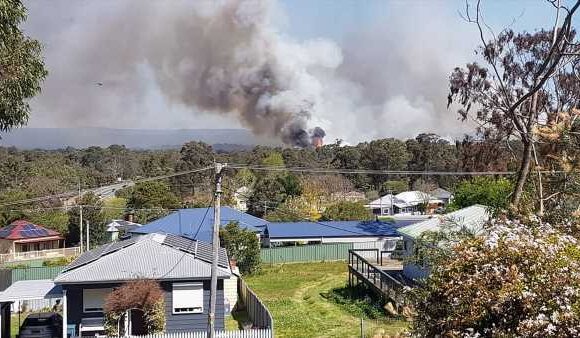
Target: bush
(487, 191)
(62, 261)
(356, 301)
(347, 211)
(513, 281)
(243, 246)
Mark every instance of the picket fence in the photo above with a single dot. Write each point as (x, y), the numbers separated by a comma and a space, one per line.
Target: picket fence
(253, 333)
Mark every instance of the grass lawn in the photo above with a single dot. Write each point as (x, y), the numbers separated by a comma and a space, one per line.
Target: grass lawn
(297, 296)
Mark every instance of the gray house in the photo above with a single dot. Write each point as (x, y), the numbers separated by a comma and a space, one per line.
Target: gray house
(180, 265)
(471, 219)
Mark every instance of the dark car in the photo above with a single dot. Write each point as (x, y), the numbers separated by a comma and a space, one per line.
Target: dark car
(41, 325)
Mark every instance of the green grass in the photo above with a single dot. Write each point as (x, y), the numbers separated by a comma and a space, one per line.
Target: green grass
(307, 300)
(14, 327)
(236, 320)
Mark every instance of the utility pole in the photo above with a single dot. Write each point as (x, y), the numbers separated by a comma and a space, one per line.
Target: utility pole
(88, 242)
(79, 202)
(391, 211)
(216, 247)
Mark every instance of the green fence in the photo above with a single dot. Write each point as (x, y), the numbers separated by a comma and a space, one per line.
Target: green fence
(306, 253)
(36, 273)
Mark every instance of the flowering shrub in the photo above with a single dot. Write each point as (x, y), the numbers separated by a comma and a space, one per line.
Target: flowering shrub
(512, 281)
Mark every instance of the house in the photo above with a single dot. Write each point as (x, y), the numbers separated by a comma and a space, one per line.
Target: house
(472, 219)
(119, 228)
(277, 233)
(241, 198)
(24, 236)
(405, 203)
(383, 206)
(443, 195)
(197, 223)
(181, 266)
(382, 234)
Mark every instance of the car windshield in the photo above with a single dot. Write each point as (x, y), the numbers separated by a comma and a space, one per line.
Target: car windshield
(37, 321)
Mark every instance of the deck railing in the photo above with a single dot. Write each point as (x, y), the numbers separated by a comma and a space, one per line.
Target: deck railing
(43, 254)
(380, 280)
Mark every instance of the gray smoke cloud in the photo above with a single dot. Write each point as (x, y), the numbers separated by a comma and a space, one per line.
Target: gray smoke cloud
(115, 63)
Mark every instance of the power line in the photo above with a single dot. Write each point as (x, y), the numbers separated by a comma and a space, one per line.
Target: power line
(380, 172)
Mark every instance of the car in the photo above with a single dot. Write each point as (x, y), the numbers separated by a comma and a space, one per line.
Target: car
(41, 325)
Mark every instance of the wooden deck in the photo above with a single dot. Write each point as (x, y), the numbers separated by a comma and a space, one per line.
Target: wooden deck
(384, 277)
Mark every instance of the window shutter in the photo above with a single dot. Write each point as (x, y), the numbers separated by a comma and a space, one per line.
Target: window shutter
(187, 298)
(94, 299)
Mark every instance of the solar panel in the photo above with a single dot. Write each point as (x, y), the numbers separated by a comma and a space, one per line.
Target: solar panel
(181, 243)
(204, 252)
(99, 252)
(200, 249)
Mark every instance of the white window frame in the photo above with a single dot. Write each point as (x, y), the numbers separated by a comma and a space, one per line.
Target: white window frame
(95, 292)
(193, 292)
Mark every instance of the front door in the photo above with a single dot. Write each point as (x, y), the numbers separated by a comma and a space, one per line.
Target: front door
(138, 327)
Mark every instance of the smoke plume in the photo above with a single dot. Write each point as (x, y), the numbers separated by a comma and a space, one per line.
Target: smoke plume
(117, 63)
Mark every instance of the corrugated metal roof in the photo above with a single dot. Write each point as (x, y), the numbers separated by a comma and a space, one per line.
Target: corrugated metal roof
(473, 218)
(148, 257)
(31, 290)
(185, 222)
(280, 230)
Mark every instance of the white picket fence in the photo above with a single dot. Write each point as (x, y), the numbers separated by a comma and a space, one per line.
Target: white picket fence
(253, 333)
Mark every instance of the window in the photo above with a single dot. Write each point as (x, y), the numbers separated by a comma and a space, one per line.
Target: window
(94, 299)
(187, 298)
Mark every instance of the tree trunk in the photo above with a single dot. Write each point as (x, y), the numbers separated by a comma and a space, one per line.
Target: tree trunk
(523, 173)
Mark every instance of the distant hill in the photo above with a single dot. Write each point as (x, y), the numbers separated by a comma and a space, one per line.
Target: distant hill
(56, 138)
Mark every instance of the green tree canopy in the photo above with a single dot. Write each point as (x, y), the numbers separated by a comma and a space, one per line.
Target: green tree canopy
(243, 246)
(193, 155)
(152, 194)
(346, 211)
(487, 191)
(394, 186)
(274, 159)
(92, 207)
(56, 220)
(21, 66)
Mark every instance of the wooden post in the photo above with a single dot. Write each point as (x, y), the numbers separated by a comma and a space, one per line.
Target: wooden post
(64, 315)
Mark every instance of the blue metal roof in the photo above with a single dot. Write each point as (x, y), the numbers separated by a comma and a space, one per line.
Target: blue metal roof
(335, 229)
(185, 222)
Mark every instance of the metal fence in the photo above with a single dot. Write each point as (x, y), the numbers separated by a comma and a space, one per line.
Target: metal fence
(306, 253)
(45, 272)
(254, 333)
(320, 252)
(9, 276)
(257, 311)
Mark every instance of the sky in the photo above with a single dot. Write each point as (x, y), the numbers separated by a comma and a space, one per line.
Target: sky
(366, 69)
